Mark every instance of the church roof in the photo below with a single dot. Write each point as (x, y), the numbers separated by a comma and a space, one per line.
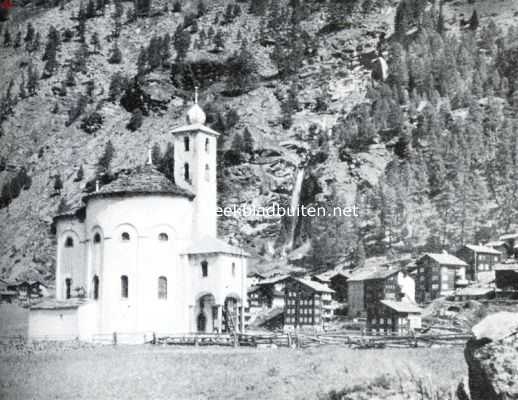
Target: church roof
(140, 181)
(208, 245)
(195, 127)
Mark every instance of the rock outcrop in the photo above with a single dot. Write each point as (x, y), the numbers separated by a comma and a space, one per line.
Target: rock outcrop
(492, 358)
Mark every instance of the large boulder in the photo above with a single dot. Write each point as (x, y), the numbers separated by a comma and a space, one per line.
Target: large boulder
(492, 358)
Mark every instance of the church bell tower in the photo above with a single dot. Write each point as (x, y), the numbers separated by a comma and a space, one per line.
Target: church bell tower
(195, 152)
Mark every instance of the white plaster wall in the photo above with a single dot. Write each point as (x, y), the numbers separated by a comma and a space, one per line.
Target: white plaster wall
(61, 324)
(143, 259)
(204, 218)
(70, 262)
(407, 284)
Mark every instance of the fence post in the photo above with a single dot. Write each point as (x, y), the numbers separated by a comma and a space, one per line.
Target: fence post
(289, 339)
(114, 338)
(236, 340)
(153, 341)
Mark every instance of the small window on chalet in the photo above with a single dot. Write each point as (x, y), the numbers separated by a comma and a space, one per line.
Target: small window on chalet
(207, 172)
(204, 269)
(96, 287)
(207, 143)
(124, 286)
(162, 288)
(125, 237)
(233, 269)
(186, 143)
(97, 238)
(68, 288)
(163, 237)
(69, 242)
(186, 174)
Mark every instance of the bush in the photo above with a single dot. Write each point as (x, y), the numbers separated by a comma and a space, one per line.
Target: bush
(92, 122)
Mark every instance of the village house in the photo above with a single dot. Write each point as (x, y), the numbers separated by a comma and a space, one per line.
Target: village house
(367, 286)
(500, 246)
(511, 243)
(506, 279)
(480, 260)
(336, 280)
(254, 278)
(438, 275)
(27, 290)
(397, 317)
(472, 293)
(143, 253)
(6, 295)
(307, 304)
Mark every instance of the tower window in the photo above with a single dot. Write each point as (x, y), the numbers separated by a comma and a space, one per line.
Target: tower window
(96, 287)
(204, 269)
(124, 286)
(162, 288)
(186, 172)
(207, 145)
(125, 237)
(97, 238)
(233, 269)
(68, 286)
(163, 237)
(207, 172)
(186, 143)
(69, 242)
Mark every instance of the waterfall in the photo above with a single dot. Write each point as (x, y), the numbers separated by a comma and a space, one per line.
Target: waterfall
(295, 198)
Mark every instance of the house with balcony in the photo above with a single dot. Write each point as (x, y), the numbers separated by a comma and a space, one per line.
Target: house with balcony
(481, 261)
(438, 275)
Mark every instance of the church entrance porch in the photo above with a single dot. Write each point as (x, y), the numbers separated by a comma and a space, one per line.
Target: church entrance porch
(232, 315)
(206, 314)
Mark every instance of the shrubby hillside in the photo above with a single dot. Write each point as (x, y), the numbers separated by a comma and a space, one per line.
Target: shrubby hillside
(427, 154)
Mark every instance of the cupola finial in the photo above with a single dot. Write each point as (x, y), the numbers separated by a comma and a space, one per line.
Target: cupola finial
(196, 95)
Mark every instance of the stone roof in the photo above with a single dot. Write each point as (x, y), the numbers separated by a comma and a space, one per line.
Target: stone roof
(446, 259)
(317, 287)
(365, 274)
(482, 249)
(194, 128)
(402, 306)
(208, 245)
(140, 181)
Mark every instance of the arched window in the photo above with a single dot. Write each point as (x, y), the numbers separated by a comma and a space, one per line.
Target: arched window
(125, 236)
(204, 268)
(69, 242)
(96, 287)
(97, 238)
(186, 143)
(207, 172)
(186, 175)
(124, 286)
(163, 237)
(68, 288)
(207, 145)
(233, 269)
(162, 288)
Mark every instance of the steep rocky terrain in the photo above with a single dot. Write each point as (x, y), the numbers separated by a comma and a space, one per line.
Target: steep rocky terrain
(331, 79)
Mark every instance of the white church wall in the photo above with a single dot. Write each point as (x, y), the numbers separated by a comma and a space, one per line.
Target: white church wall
(142, 259)
(70, 260)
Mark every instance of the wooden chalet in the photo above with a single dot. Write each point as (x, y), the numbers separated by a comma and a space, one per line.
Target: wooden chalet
(393, 317)
(27, 289)
(480, 260)
(506, 278)
(336, 281)
(6, 295)
(438, 275)
(307, 304)
(501, 246)
(367, 286)
(511, 242)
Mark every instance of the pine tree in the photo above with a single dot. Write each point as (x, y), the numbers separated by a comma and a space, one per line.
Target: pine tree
(244, 71)
(258, 7)
(115, 54)
(90, 9)
(248, 142)
(7, 37)
(58, 183)
(166, 165)
(79, 175)
(473, 21)
(181, 43)
(219, 41)
(202, 9)
(135, 121)
(118, 83)
(32, 80)
(29, 36)
(359, 255)
(17, 40)
(177, 7)
(70, 79)
(103, 165)
(156, 154)
(96, 42)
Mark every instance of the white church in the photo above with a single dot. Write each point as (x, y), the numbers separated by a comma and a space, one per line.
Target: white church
(142, 256)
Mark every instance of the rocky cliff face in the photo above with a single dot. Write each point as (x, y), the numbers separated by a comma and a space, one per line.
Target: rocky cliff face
(492, 358)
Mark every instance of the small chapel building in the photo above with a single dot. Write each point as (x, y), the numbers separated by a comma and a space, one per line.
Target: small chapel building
(142, 255)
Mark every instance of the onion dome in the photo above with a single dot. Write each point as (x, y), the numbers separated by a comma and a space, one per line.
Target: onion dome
(195, 115)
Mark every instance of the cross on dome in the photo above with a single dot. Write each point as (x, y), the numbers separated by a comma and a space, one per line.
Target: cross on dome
(195, 115)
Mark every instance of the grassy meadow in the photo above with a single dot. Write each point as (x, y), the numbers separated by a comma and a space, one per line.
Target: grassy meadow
(82, 371)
